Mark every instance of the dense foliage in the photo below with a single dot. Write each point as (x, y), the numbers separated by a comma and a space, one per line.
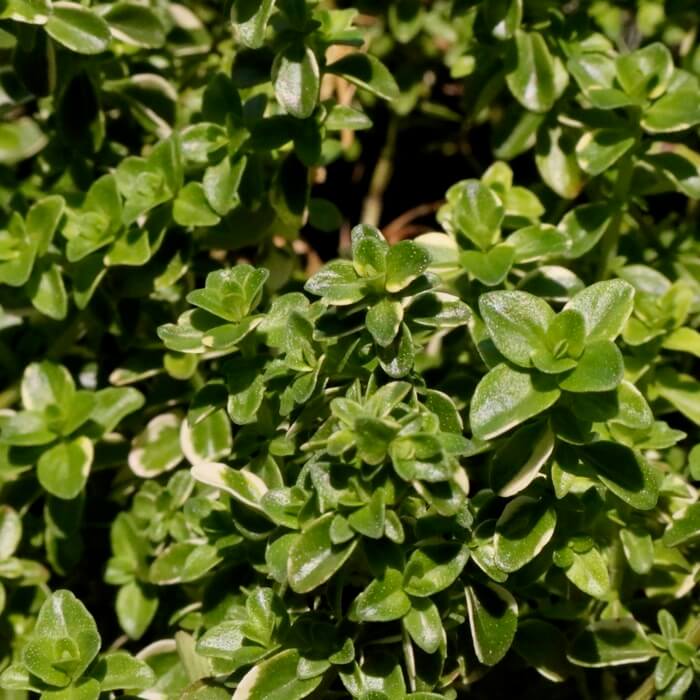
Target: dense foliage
(249, 449)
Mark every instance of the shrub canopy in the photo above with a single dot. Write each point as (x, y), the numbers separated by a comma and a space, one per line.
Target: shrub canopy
(251, 449)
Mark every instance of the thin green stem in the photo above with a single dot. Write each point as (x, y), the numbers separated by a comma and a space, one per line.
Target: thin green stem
(611, 237)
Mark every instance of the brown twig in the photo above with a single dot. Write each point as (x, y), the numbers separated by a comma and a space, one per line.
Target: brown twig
(400, 227)
(343, 90)
(383, 170)
(313, 261)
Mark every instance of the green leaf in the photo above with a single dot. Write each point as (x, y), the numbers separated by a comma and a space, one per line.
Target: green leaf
(187, 334)
(30, 11)
(191, 207)
(265, 613)
(517, 463)
(384, 320)
(27, 428)
(478, 213)
(82, 689)
(207, 441)
(64, 641)
(135, 24)
(521, 203)
(313, 558)
(157, 448)
(47, 292)
(226, 641)
(567, 330)
(680, 685)
(247, 392)
(383, 599)
(19, 140)
(538, 242)
(505, 398)
(196, 667)
(119, 670)
(596, 73)
(404, 263)
(532, 79)
(136, 606)
(10, 531)
(15, 677)
(434, 568)
(78, 28)
(380, 677)
(386, 398)
(220, 99)
(113, 404)
(43, 219)
(694, 463)
(600, 149)
(369, 520)
(87, 275)
(369, 251)
(46, 384)
(221, 183)
(296, 81)
(246, 487)
(517, 323)
(324, 215)
(683, 340)
(584, 226)
(490, 267)
(611, 643)
(625, 472)
(368, 73)
(605, 307)
(439, 310)
(397, 359)
(588, 571)
(600, 368)
(681, 390)
(685, 527)
(75, 414)
(132, 247)
(493, 620)
(678, 163)
(557, 163)
(424, 626)
(664, 671)
(129, 547)
(250, 18)
(543, 646)
(675, 111)
(524, 528)
(405, 19)
(638, 547)
(203, 142)
(183, 562)
(503, 17)
(338, 284)
(18, 253)
(64, 468)
(231, 294)
(442, 249)
(341, 117)
(645, 73)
